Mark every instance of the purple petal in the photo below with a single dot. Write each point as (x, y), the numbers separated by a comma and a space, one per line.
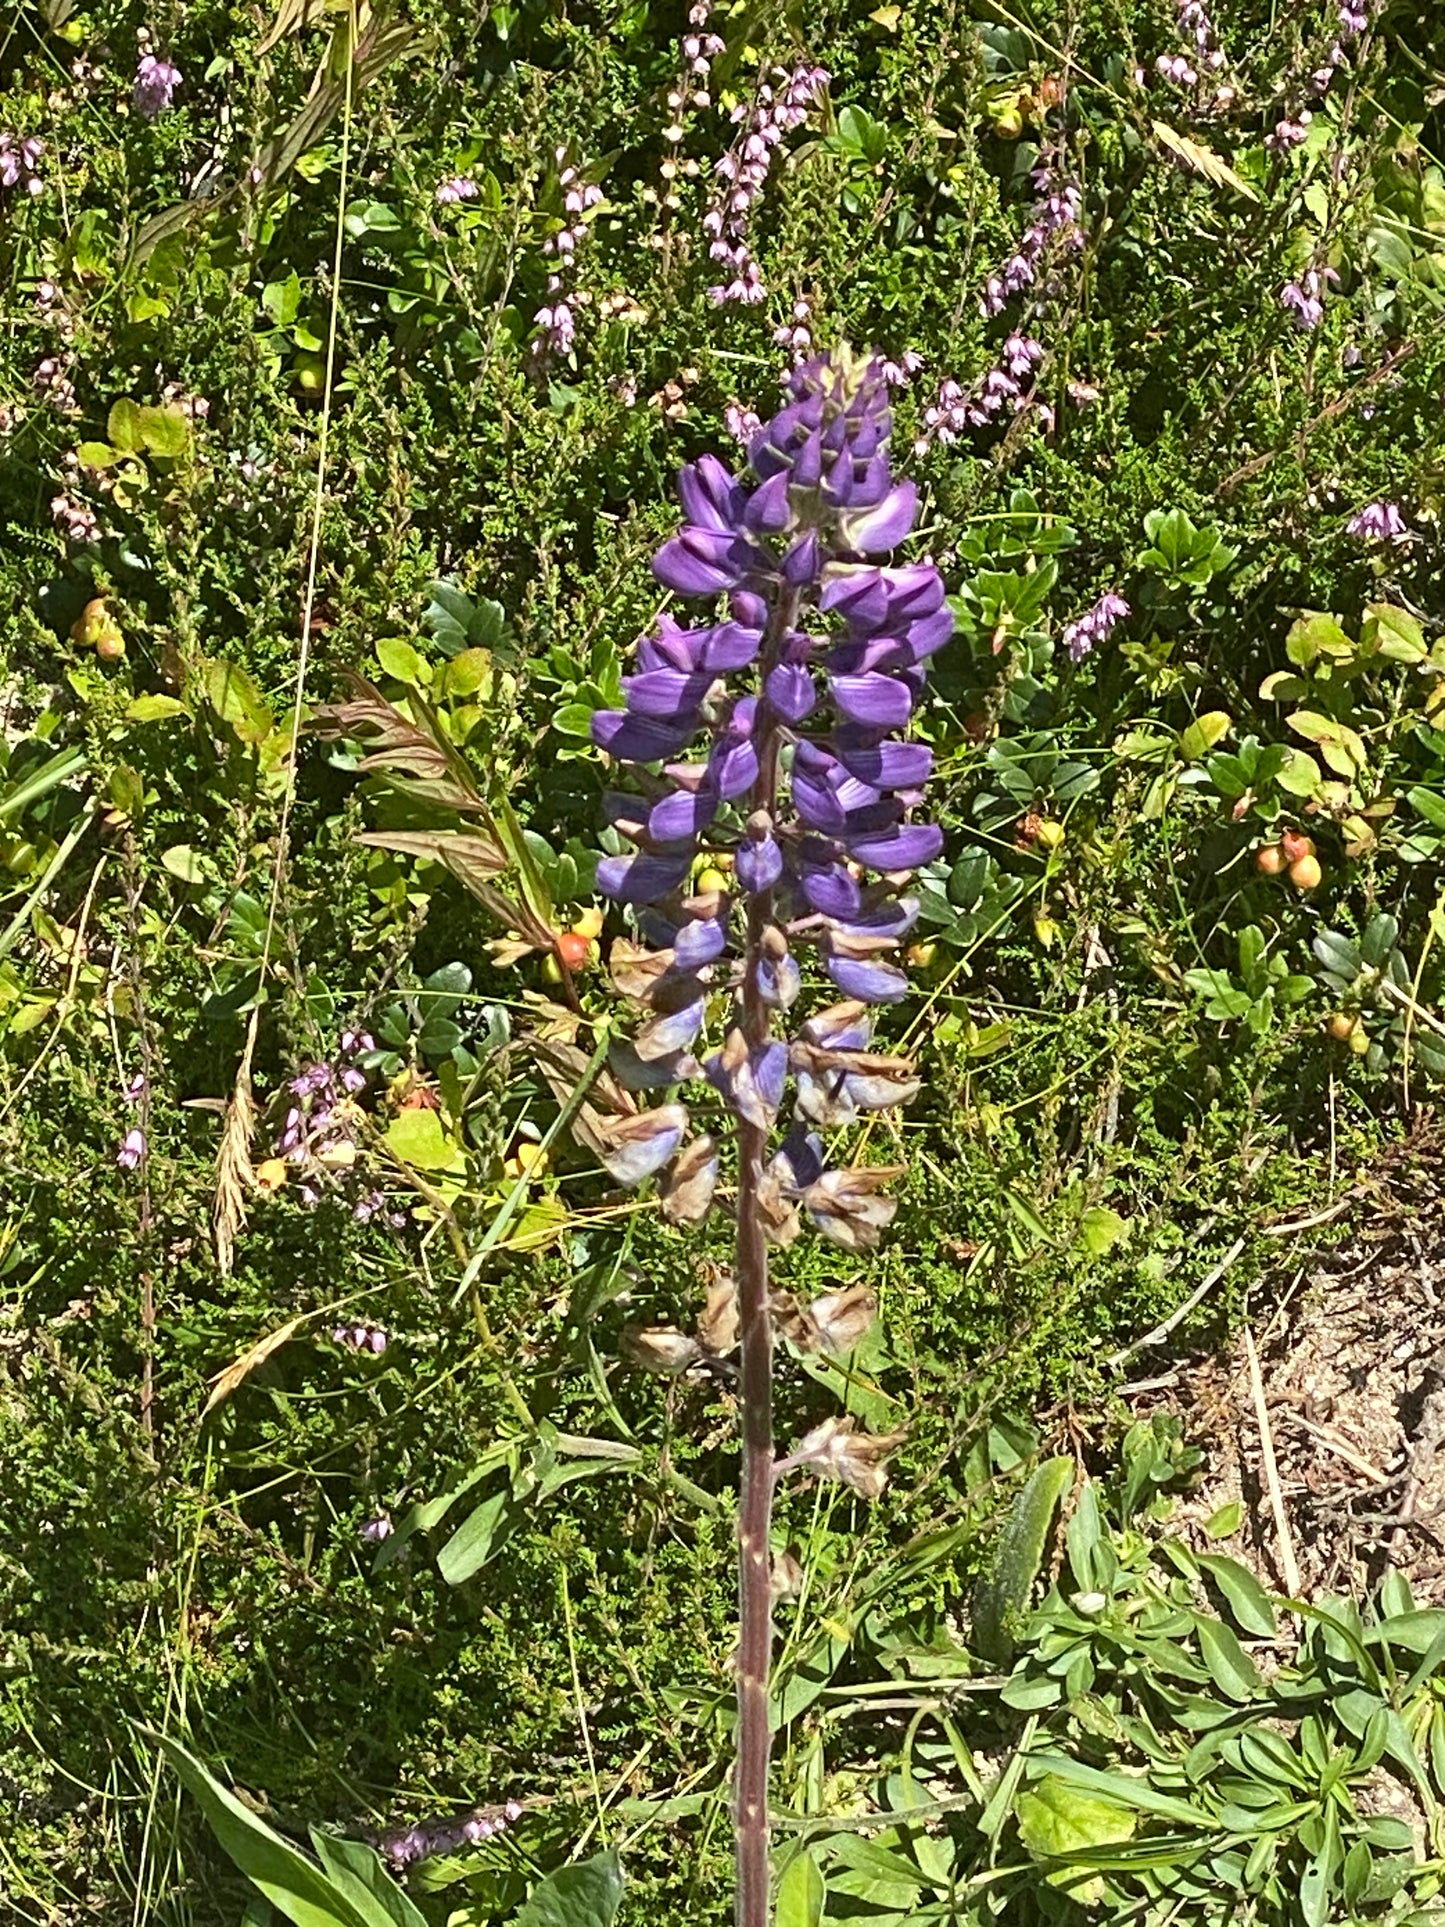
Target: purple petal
(727, 647)
(698, 943)
(803, 561)
(664, 693)
(789, 689)
(759, 864)
(732, 767)
(779, 980)
(639, 1146)
(881, 702)
(710, 497)
(888, 765)
(680, 817)
(901, 849)
(832, 891)
(884, 526)
(640, 739)
(865, 978)
(769, 510)
(799, 1160)
(699, 562)
(643, 878)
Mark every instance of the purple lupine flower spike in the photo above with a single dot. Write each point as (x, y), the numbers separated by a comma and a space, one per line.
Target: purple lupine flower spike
(788, 706)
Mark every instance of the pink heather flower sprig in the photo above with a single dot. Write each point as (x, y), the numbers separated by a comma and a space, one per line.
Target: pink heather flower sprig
(781, 104)
(403, 1850)
(1005, 389)
(20, 163)
(1083, 635)
(1054, 229)
(1352, 18)
(1379, 522)
(556, 319)
(154, 87)
(1304, 299)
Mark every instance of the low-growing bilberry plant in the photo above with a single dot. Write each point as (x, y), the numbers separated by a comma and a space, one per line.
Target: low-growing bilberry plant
(799, 810)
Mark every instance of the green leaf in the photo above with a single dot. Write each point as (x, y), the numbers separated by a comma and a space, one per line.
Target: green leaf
(1246, 1598)
(1224, 1523)
(153, 709)
(475, 1539)
(1394, 632)
(357, 1870)
(1230, 1667)
(1001, 1600)
(296, 1887)
(1100, 1229)
(584, 1896)
(801, 1894)
(123, 428)
(467, 673)
(165, 432)
(1055, 1819)
(95, 455)
(1316, 634)
(399, 659)
(186, 864)
(236, 697)
(1428, 804)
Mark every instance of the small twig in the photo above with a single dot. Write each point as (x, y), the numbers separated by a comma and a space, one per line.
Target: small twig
(1332, 1442)
(1177, 1318)
(1289, 1565)
(1288, 1229)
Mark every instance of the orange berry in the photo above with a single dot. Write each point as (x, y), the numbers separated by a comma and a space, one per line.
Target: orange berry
(572, 947)
(1295, 845)
(1270, 860)
(1305, 872)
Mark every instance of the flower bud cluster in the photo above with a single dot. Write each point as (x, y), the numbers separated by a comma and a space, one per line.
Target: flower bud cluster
(360, 1338)
(1304, 298)
(691, 90)
(1096, 625)
(75, 520)
(804, 790)
(52, 380)
(1351, 21)
(1054, 230)
(1197, 24)
(319, 1136)
(403, 1850)
(556, 319)
(20, 162)
(1379, 522)
(455, 188)
(154, 86)
(780, 105)
(1005, 389)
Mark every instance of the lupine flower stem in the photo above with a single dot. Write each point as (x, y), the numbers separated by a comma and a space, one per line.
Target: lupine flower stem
(755, 1328)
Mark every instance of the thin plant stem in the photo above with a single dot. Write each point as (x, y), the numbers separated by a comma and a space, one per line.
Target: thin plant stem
(755, 1332)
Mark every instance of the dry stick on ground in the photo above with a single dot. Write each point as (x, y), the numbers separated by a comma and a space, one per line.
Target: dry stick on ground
(1289, 1565)
(1177, 1318)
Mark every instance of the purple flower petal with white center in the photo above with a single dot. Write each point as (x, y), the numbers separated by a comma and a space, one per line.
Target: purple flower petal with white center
(733, 767)
(878, 701)
(640, 739)
(789, 688)
(779, 981)
(670, 1032)
(883, 526)
(699, 943)
(645, 878)
(904, 848)
(874, 598)
(132, 1150)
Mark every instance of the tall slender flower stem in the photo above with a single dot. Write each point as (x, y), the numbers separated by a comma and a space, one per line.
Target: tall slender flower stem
(755, 1513)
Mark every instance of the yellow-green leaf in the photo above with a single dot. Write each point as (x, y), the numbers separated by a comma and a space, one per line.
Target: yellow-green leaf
(1203, 734)
(419, 1137)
